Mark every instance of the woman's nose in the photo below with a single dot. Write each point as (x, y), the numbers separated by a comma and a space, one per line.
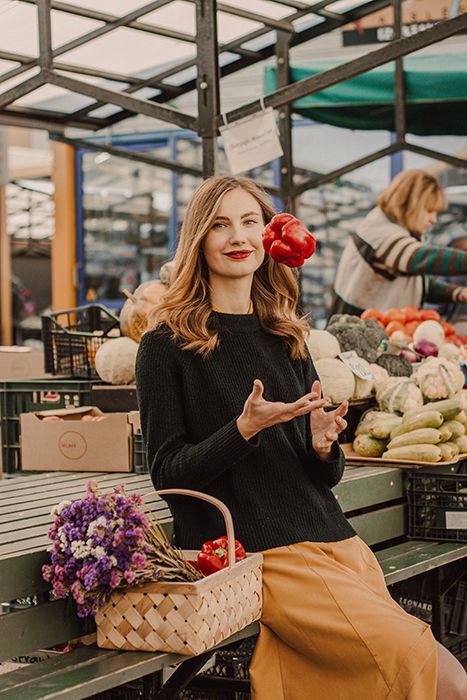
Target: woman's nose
(237, 233)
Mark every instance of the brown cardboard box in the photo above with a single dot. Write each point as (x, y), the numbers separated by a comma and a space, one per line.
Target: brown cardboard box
(75, 445)
(20, 362)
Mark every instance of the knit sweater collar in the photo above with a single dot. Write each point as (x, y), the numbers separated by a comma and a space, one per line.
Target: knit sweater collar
(235, 322)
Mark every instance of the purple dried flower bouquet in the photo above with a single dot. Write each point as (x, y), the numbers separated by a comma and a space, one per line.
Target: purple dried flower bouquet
(104, 542)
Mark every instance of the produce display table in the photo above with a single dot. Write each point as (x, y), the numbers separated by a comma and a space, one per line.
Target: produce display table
(372, 497)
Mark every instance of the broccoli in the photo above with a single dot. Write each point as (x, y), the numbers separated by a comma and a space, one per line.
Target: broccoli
(395, 365)
(353, 333)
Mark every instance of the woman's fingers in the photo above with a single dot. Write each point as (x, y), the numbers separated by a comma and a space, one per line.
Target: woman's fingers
(258, 389)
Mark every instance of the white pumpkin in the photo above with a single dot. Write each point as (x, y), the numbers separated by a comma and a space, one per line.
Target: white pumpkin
(322, 344)
(337, 380)
(115, 361)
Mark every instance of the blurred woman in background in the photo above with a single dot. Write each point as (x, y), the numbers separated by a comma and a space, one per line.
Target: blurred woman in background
(386, 264)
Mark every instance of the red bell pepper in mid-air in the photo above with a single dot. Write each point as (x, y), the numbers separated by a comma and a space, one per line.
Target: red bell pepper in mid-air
(287, 240)
(214, 555)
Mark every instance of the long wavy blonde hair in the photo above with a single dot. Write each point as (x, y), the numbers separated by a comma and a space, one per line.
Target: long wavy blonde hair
(186, 306)
(410, 192)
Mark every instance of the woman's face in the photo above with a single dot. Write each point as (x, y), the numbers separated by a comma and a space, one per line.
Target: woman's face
(426, 219)
(233, 247)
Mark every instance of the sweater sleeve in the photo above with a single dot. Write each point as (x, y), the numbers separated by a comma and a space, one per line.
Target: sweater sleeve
(405, 255)
(328, 471)
(439, 291)
(174, 461)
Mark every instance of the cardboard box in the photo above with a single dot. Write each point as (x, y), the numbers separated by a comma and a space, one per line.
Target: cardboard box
(72, 444)
(18, 362)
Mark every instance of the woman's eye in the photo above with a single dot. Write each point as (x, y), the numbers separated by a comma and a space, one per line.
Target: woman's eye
(218, 225)
(251, 221)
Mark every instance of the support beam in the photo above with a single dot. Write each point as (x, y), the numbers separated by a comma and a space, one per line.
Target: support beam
(138, 156)
(208, 82)
(401, 47)
(64, 241)
(6, 306)
(334, 174)
(44, 31)
(285, 125)
(429, 153)
(135, 105)
(20, 90)
(399, 80)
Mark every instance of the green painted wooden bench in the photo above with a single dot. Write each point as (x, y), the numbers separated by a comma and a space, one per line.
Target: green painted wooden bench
(372, 497)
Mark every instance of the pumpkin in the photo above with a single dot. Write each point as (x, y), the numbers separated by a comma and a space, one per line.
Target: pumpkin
(337, 380)
(322, 344)
(380, 375)
(439, 378)
(398, 395)
(134, 313)
(115, 361)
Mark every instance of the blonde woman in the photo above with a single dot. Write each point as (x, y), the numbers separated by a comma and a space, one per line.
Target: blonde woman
(231, 405)
(386, 264)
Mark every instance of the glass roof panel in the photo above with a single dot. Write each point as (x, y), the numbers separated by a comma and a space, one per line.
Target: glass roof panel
(343, 5)
(177, 15)
(112, 7)
(104, 111)
(19, 29)
(18, 79)
(66, 27)
(262, 7)
(230, 27)
(141, 49)
(51, 97)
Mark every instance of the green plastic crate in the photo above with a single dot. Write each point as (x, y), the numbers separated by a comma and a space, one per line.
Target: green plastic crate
(18, 397)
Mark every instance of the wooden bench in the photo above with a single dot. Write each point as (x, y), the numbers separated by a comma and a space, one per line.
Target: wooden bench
(372, 497)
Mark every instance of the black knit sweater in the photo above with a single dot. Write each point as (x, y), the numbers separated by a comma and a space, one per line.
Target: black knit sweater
(275, 485)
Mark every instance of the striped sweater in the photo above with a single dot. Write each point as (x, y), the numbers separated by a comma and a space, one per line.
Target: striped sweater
(383, 265)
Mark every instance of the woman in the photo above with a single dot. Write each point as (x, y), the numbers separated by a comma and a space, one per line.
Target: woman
(231, 405)
(385, 263)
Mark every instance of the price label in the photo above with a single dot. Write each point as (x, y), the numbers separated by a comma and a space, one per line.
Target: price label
(251, 141)
(354, 362)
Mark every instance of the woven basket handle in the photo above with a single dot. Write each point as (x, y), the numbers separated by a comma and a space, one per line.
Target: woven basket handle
(215, 502)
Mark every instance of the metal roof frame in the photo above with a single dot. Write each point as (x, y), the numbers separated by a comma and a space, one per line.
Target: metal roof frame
(208, 74)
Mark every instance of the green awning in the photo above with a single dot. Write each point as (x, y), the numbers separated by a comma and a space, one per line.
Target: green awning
(436, 95)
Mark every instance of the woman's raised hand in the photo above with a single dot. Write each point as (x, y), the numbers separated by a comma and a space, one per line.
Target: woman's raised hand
(258, 413)
(326, 425)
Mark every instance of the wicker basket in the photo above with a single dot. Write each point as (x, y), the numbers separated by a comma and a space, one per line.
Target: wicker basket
(185, 618)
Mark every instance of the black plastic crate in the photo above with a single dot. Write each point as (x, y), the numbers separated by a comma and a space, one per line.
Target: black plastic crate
(71, 339)
(34, 395)
(140, 460)
(437, 505)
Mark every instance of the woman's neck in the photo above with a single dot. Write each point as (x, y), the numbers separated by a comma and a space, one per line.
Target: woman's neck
(231, 296)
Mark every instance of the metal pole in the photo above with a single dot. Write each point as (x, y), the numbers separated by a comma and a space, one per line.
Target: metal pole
(285, 124)
(397, 161)
(208, 82)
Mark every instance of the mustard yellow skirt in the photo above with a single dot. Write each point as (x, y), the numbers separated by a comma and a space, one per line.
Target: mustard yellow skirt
(331, 631)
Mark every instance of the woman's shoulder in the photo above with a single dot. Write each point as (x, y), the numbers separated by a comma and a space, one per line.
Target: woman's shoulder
(158, 340)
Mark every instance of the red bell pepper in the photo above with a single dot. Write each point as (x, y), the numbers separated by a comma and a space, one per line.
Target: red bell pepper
(214, 555)
(287, 240)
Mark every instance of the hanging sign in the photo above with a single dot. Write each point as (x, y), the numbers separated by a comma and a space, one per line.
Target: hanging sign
(251, 141)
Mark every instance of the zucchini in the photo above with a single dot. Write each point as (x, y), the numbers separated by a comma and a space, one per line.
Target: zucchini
(456, 428)
(461, 443)
(453, 445)
(423, 419)
(422, 436)
(416, 453)
(447, 451)
(446, 432)
(381, 428)
(368, 446)
(461, 417)
(448, 408)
